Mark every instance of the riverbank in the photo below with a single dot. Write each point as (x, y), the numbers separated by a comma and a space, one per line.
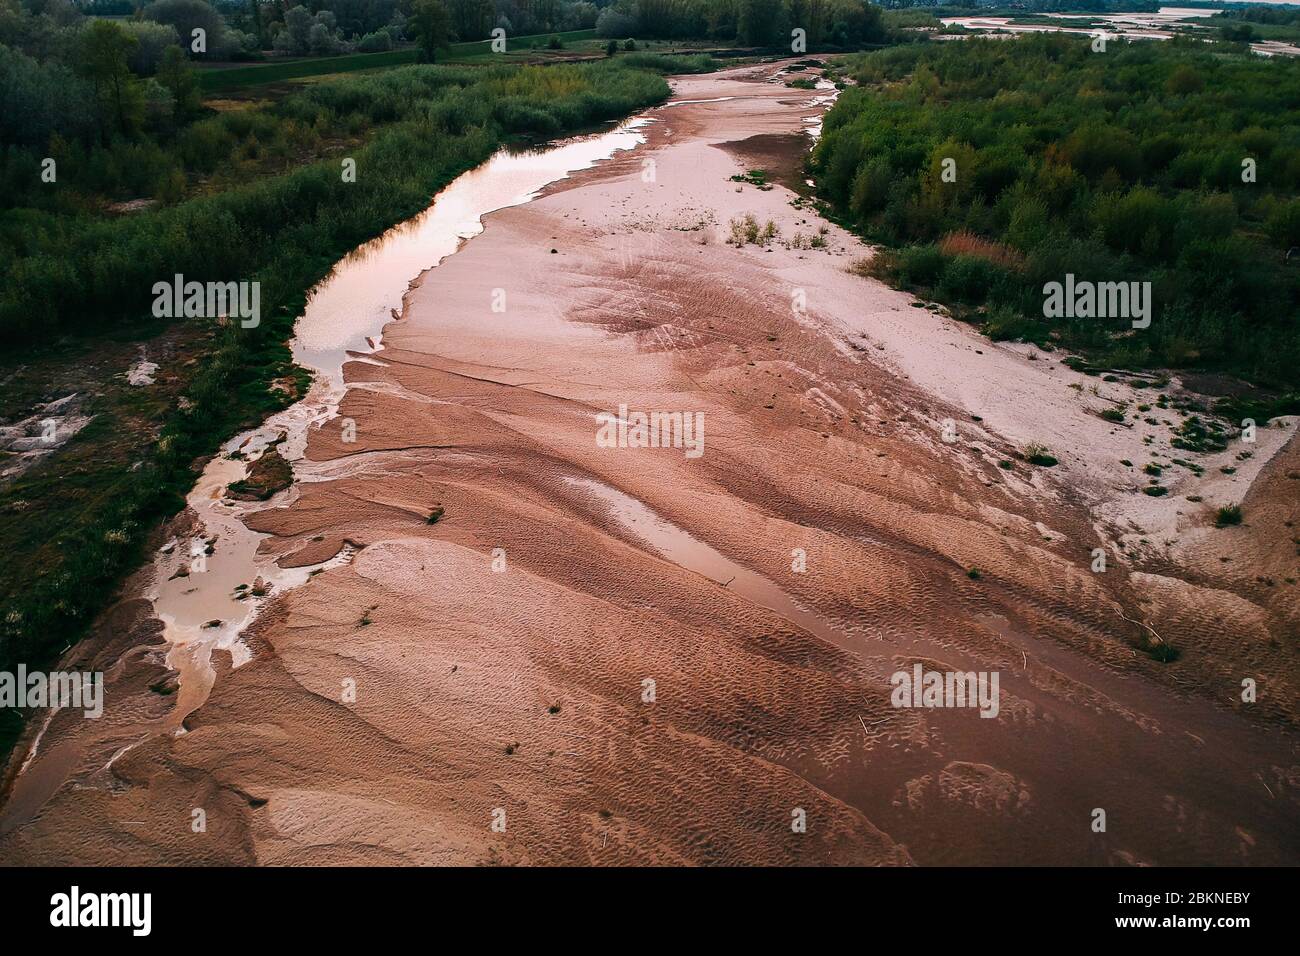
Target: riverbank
(75, 525)
(621, 655)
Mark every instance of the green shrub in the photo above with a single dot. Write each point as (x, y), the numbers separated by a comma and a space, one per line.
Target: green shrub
(1037, 454)
(1227, 515)
(1003, 323)
(968, 279)
(919, 266)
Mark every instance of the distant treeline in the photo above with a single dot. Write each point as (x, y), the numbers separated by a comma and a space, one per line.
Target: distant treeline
(843, 23)
(1174, 163)
(1256, 13)
(1248, 24)
(950, 8)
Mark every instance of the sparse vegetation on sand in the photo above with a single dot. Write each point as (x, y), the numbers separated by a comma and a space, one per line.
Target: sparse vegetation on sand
(1227, 515)
(748, 231)
(755, 177)
(1037, 454)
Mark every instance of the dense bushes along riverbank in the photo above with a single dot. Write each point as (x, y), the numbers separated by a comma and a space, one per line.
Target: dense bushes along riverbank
(67, 271)
(86, 274)
(1118, 166)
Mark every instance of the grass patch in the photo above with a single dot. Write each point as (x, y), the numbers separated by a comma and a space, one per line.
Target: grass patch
(755, 177)
(224, 80)
(1227, 515)
(748, 231)
(1196, 434)
(1037, 454)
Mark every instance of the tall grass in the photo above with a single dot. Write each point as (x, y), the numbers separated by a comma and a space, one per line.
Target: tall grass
(224, 80)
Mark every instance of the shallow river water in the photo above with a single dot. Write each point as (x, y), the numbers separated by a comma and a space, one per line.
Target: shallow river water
(222, 580)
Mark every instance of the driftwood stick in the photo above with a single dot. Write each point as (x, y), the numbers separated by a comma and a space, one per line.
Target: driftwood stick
(1120, 611)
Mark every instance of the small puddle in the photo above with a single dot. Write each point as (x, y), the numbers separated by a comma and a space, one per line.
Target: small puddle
(689, 552)
(813, 124)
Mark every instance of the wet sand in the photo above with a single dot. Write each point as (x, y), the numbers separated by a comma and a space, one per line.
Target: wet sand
(607, 656)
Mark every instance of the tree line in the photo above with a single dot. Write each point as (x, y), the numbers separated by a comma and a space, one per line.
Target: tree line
(764, 23)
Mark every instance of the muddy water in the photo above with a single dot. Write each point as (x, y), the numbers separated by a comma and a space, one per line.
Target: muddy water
(823, 103)
(209, 587)
(344, 318)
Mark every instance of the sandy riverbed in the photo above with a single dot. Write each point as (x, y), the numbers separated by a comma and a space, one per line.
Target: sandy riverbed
(608, 649)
